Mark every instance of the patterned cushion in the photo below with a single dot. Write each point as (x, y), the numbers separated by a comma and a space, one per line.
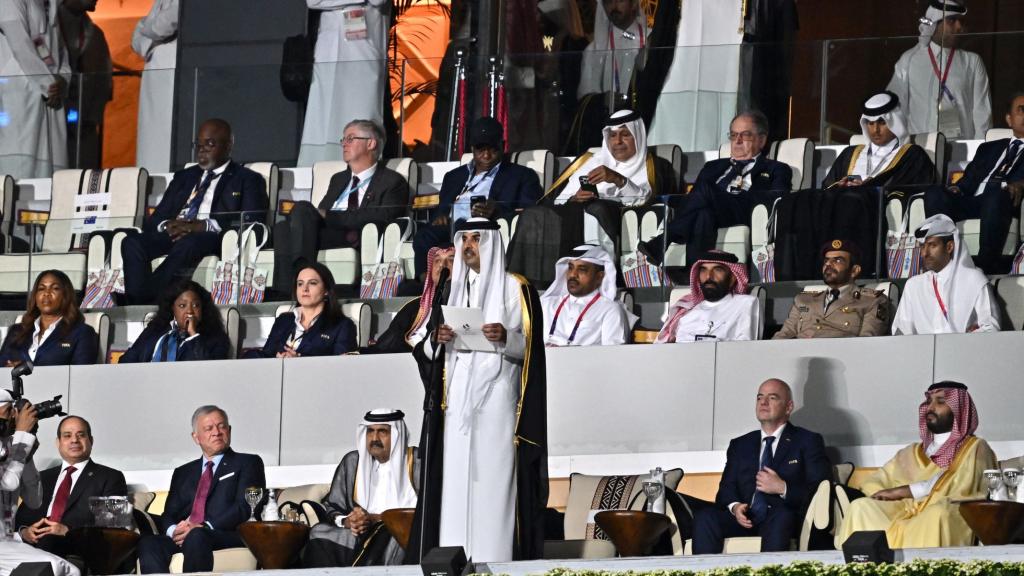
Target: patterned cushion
(591, 494)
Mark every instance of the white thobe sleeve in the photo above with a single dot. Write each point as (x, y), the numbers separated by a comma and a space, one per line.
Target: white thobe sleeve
(985, 313)
(515, 340)
(630, 194)
(921, 489)
(899, 84)
(11, 470)
(615, 326)
(981, 99)
(591, 71)
(903, 323)
(159, 25)
(14, 28)
(750, 328)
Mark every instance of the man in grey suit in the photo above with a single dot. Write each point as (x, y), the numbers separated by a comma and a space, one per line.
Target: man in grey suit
(366, 192)
(380, 474)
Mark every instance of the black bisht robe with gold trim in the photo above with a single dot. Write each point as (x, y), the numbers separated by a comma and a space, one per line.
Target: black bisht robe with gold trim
(531, 440)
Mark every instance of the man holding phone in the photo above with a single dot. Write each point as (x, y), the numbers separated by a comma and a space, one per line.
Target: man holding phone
(487, 187)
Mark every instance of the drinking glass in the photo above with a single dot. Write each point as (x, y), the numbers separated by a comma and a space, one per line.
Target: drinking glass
(1011, 477)
(253, 495)
(994, 479)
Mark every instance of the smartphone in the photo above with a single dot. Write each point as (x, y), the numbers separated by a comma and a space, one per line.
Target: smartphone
(477, 200)
(586, 185)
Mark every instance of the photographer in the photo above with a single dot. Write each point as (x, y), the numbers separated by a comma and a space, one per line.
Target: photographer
(19, 479)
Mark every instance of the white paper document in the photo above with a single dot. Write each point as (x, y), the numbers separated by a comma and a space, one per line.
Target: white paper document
(467, 323)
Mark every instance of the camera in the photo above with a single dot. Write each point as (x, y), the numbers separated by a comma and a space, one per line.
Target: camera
(45, 409)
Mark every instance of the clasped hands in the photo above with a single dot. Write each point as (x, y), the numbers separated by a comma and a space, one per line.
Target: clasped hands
(767, 481)
(359, 521)
(44, 527)
(493, 332)
(178, 229)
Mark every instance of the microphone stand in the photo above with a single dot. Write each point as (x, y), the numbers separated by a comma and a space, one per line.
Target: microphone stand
(436, 317)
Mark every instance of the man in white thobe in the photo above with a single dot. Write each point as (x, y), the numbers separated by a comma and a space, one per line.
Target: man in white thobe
(699, 98)
(478, 495)
(718, 308)
(19, 479)
(943, 88)
(349, 72)
(156, 39)
(33, 66)
(620, 32)
(951, 296)
(580, 307)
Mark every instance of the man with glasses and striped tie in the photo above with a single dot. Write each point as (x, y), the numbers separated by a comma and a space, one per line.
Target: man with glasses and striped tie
(768, 478)
(366, 192)
(200, 203)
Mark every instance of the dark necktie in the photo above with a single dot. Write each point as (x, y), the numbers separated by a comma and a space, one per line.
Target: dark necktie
(198, 515)
(1011, 156)
(197, 199)
(736, 169)
(353, 196)
(833, 296)
(60, 499)
(759, 506)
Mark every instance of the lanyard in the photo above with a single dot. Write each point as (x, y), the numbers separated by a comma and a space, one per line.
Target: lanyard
(942, 305)
(943, 75)
(470, 185)
(615, 62)
(558, 312)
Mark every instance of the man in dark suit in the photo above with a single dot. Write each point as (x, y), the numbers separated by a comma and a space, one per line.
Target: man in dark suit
(67, 489)
(768, 477)
(367, 192)
(726, 191)
(991, 189)
(487, 187)
(206, 501)
(200, 203)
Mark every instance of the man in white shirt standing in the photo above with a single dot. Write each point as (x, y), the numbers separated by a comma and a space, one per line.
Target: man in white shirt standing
(67, 488)
(580, 307)
(951, 295)
(718, 308)
(200, 202)
(378, 475)
(942, 88)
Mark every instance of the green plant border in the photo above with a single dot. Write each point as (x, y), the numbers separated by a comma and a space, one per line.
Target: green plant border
(913, 568)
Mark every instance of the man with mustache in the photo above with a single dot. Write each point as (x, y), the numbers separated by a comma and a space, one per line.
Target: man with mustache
(842, 310)
(718, 307)
(380, 474)
(951, 296)
(912, 496)
(580, 307)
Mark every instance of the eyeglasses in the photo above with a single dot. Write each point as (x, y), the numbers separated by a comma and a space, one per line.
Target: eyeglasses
(208, 143)
(745, 136)
(352, 138)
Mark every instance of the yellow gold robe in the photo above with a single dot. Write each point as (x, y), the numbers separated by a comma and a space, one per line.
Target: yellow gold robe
(933, 520)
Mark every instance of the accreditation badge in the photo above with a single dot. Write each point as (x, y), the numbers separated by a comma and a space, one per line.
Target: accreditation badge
(355, 24)
(949, 117)
(43, 50)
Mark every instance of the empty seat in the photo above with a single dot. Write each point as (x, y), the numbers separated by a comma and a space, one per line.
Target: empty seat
(540, 161)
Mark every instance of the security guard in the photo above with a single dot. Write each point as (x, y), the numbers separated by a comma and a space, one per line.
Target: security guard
(844, 309)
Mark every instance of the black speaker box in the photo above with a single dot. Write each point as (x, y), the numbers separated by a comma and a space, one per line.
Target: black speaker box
(867, 546)
(33, 569)
(444, 561)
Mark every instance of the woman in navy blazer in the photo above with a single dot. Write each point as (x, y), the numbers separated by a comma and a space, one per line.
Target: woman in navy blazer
(316, 326)
(52, 331)
(187, 326)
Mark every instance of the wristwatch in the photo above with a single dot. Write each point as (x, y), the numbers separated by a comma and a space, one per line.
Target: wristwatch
(339, 521)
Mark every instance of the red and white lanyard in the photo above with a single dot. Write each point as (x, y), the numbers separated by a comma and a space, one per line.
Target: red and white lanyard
(615, 62)
(942, 305)
(944, 74)
(558, 312)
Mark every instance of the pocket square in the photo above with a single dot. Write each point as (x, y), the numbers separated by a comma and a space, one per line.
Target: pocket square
(228, 475)
(793, 462)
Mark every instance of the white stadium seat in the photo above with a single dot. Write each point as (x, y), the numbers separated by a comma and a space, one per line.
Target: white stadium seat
(359, 313)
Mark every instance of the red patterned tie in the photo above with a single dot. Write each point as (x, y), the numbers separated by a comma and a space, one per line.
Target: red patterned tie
(60, 500)
(198, 515)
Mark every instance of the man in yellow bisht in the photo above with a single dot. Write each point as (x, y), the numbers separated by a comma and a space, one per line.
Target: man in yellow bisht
(912, 496)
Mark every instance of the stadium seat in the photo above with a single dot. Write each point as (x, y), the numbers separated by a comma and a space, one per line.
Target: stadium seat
(540, 161)
(998, 134)
(229, 314)
(756, 291)
(301, 495)
(359, 313)
(798, 153)
(674, 155)
(65, 244)
(970, 229)
(100, 322)
(6, 212)
(934, 143)
(226, 560)
(1011, 291)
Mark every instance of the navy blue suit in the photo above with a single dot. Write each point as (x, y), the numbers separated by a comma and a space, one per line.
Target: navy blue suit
(993, 206)
(514, 188)
(710, 206)
(238, 190)
(317, 341)
(78, 346)
(799, 460)
(202, 347)
(225, 510)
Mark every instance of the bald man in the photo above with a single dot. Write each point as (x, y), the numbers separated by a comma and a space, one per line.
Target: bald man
(768, 478)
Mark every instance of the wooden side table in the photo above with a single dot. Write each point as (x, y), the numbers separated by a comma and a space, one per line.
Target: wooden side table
(274, 544)
(103, 549)
(634, 532)
(398, 521)
(995, 522)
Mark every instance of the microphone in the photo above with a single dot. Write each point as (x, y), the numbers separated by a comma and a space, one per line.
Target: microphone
(440, 297)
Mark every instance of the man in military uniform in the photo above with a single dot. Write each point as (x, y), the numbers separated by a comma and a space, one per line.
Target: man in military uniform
(844, 309)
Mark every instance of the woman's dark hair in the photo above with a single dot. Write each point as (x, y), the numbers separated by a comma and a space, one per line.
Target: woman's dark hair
(332, 309)
(210, 323)
(69, 311)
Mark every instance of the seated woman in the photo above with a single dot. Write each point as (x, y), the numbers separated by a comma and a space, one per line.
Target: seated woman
(187, 326)
(52, 331)
(316, 326)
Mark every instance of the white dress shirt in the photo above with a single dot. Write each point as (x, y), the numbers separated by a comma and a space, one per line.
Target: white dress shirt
(60, 478)
(999, 162)
(364, 184)
(39, 336)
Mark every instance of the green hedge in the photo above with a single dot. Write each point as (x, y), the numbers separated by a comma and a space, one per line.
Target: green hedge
(915, 568)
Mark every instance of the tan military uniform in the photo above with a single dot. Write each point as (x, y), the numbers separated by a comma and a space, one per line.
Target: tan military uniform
(857, 312)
